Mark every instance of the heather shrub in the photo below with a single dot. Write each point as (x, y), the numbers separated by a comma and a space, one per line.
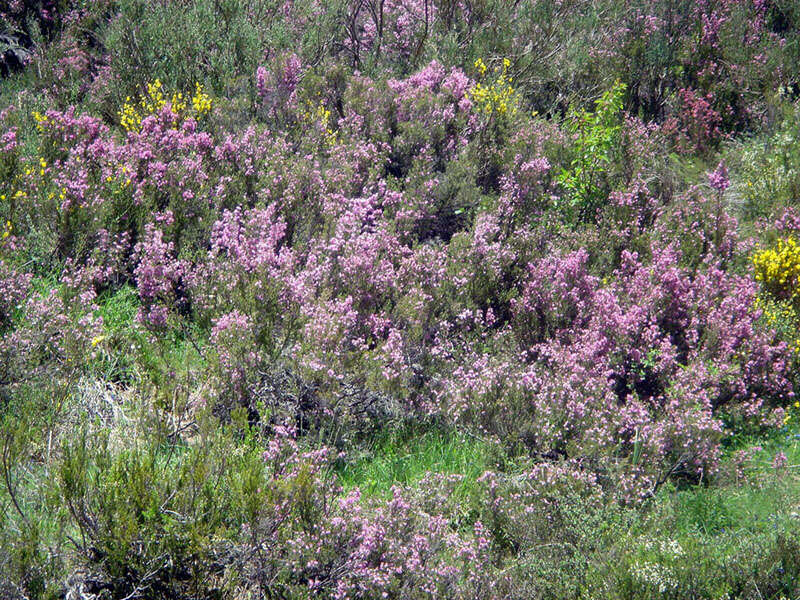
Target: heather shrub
(723, 50)
(583, 340)
(47, 352)
(320, 291)
(710, 229)
(432, 114)
(277, 95)
(15, 288)
(158, 277)
(9, 153)
(237, 355)
(696, 126)
(559, 506)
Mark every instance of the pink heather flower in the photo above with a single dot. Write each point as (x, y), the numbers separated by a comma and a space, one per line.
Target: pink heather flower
(262, 78)
(291, 73)
(718, 179)
(780, 461)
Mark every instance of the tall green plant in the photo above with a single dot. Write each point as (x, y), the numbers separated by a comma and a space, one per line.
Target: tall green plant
(596, 134)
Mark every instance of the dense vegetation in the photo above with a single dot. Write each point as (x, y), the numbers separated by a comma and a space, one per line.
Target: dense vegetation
(364, 299)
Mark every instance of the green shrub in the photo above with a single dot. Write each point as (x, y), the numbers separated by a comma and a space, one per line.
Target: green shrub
(596, 136)
(767, 169)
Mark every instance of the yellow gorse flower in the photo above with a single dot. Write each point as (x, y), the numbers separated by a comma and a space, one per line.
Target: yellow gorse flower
(154, 100)
(40, 120)
(321, 116)
(498, 96)
(201, 102)
(778, 269)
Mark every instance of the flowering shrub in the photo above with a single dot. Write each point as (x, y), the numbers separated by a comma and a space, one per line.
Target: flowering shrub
(497, 97)
(696, 128)
(778, 269)
(153, 101)
(396, 549)
(319, 117)
(352, 290)
(277, 93)
(585, 340)
(14, 286)
(46, 354)
(158, 276)
(395, 28)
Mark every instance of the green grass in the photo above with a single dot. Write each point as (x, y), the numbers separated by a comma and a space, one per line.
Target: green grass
(405, 455)
(715, 511)
(128, 351)
(118, 309)
(725, 539)
(752, 504)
